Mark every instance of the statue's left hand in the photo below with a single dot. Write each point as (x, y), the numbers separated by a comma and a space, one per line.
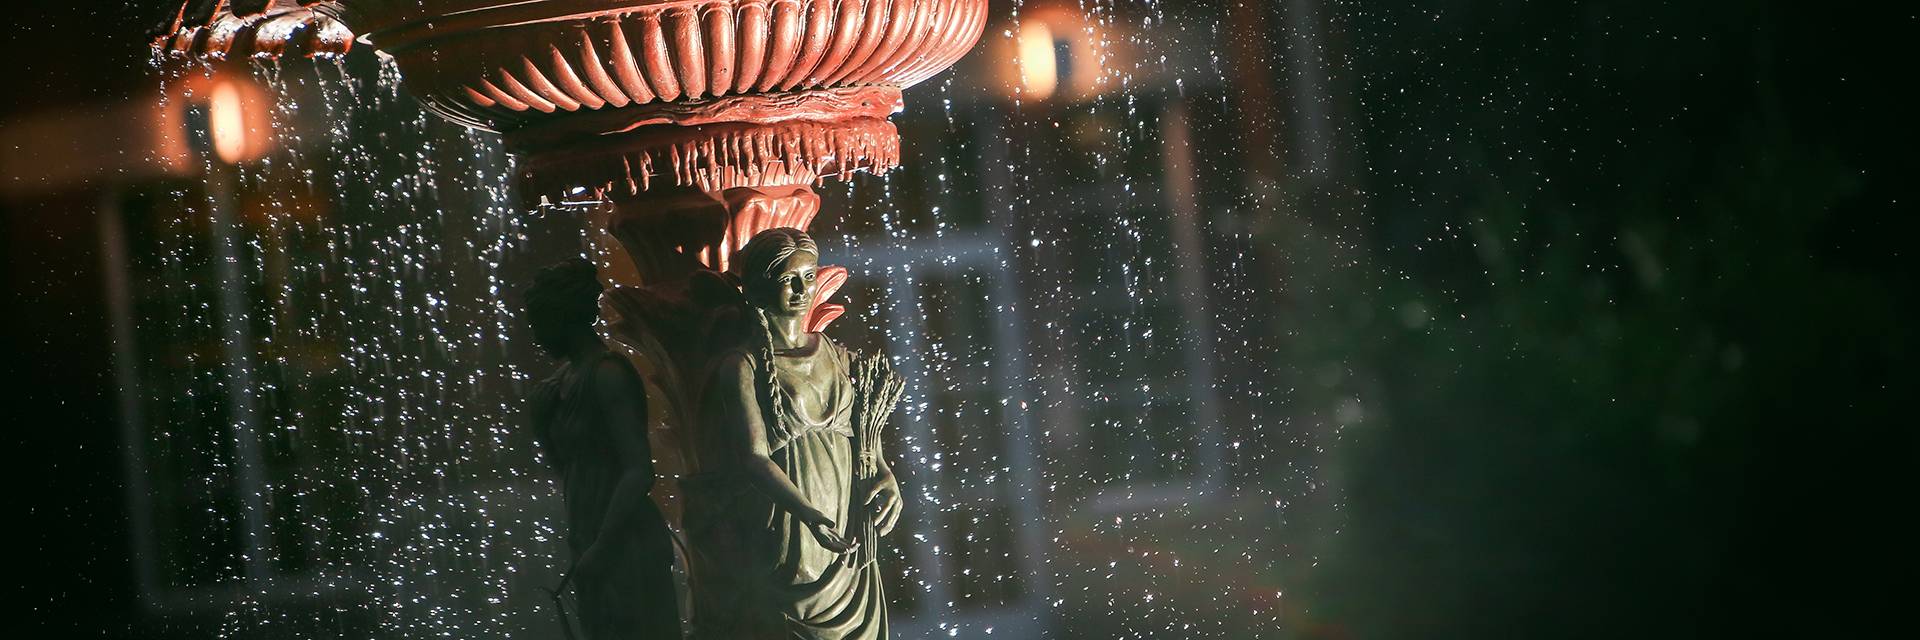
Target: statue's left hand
(883, 502)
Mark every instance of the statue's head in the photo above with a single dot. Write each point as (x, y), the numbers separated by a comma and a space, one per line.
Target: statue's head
(778, 271)
(561, 305)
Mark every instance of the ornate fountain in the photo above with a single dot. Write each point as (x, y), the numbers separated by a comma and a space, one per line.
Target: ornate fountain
(680, 128)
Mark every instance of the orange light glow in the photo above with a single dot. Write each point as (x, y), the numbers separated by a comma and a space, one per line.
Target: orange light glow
(227, 123)
(1054, 53)
(1039, 75)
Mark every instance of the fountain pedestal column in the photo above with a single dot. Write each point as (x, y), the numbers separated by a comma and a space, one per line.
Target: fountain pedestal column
(663, 253)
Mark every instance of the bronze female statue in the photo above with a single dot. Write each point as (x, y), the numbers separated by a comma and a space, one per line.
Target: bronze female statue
(777, 520)
(591, 418)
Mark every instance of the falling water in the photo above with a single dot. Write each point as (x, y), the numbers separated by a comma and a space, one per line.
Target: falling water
(1066, 281)
(381, 358)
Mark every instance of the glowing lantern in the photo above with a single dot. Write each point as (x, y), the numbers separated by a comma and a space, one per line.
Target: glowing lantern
(1039, 71)
(226, 122)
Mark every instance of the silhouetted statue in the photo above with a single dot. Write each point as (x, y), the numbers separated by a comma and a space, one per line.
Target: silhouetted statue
(591, 418)
(795, 480)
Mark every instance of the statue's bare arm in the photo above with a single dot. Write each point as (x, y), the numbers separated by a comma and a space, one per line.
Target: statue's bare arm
(621, 397)
(750, 442)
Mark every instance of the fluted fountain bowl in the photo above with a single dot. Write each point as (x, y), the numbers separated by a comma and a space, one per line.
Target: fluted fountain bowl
(717, 93)
(502, 65)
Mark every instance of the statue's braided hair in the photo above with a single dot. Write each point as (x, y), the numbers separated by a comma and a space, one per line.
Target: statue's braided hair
(563, 300)
(765, 253)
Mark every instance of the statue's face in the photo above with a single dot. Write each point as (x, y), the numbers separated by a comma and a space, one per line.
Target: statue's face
(789, 288)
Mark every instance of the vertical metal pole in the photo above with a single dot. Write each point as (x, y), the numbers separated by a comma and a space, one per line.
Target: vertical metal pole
(1196, 312)
(1309, 91)
(237, 347)
(909, 339)
(1031, 526)
(133, 419)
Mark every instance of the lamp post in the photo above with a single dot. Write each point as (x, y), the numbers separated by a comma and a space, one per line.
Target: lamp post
(218, 133)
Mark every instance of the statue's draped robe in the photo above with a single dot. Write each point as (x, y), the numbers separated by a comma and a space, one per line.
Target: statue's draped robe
(760, 574)
(634, 597)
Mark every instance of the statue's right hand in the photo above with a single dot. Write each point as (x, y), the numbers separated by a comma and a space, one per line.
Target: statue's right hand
(832, 540)
(815, 517)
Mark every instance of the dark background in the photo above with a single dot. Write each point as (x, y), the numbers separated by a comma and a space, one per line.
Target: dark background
(1656, 382)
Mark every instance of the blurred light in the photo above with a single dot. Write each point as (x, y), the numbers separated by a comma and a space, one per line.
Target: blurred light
(1055, 53)
(1039, 72)
(227, 123)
